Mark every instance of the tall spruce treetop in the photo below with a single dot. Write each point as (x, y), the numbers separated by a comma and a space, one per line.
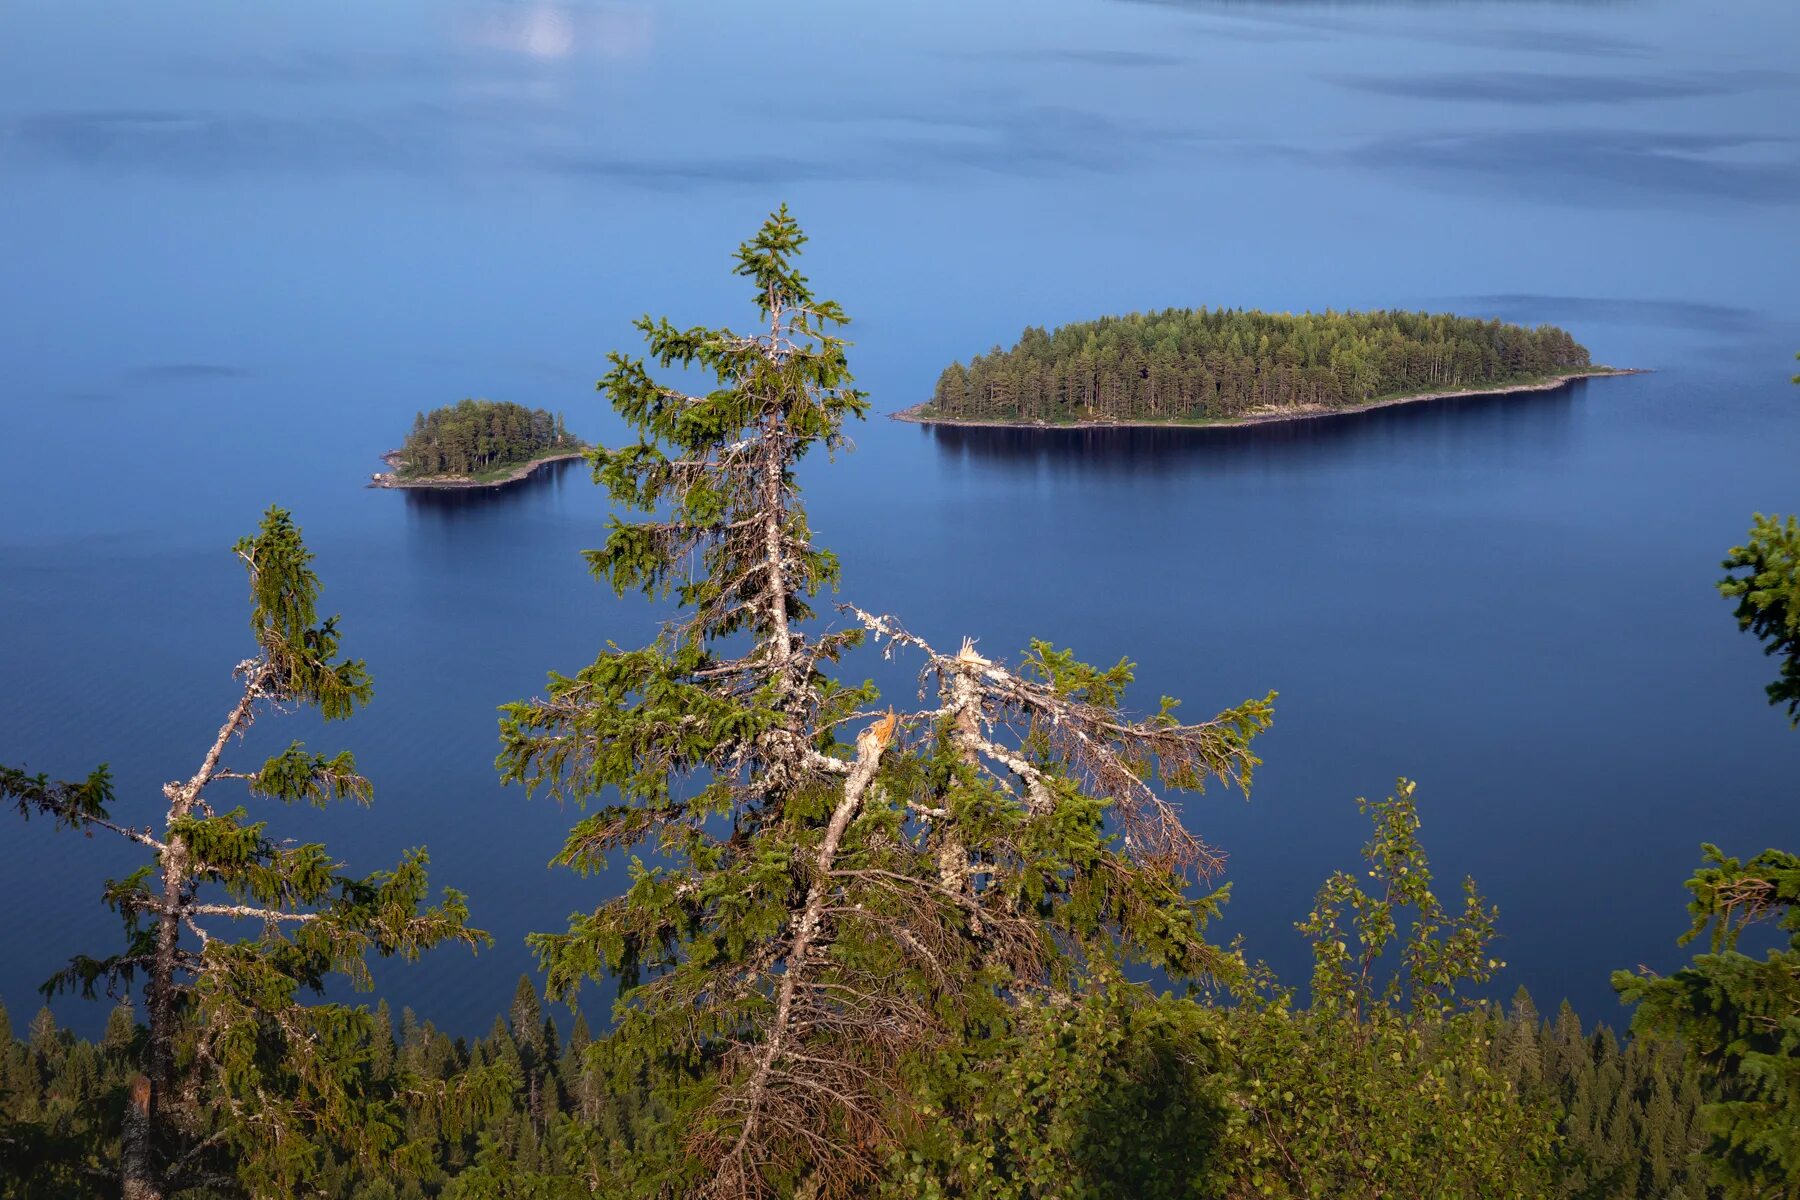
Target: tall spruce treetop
(240, 1078)
(722, 464)
(812, 914)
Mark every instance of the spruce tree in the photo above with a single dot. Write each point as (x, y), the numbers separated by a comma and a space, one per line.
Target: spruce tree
(1741, 1016)
(526, 1016)
(237, 1074)
(824, 896)
(1522, 1054)
(1768, 596)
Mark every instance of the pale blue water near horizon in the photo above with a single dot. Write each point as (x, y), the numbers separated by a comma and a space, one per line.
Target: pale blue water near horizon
(245, 244)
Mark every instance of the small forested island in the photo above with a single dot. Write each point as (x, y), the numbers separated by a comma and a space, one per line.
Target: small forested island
(1231, 366)
(476, 443)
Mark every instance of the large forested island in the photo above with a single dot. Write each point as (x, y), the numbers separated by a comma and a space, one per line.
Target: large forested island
(478, 442)
(1212, 366)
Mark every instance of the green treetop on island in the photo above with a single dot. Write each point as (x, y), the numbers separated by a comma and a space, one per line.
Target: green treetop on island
(476, 437)
(1222, 364)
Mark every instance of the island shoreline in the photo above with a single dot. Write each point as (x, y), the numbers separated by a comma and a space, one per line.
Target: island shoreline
(391, 481)
(913, 416)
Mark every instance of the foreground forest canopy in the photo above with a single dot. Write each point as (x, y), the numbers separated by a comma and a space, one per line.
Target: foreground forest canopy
(1224, 364)
(1627, 1115)
(860, 951)
(477, 437)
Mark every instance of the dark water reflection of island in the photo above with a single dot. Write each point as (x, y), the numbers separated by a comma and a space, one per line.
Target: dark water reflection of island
(450, 503)
(1515, 421)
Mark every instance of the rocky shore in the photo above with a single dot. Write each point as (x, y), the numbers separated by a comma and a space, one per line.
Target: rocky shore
(391, 477)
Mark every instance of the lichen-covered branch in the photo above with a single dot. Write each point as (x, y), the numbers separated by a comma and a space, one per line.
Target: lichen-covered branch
(1068, 721)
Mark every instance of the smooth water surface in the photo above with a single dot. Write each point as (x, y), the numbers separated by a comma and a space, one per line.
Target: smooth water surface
(245, 243)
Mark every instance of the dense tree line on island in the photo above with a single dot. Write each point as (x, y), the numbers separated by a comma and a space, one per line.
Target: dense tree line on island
(479, 437)
(1224, 364)
(862, 951)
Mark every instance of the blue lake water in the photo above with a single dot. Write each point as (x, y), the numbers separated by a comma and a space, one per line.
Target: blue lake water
(245, 244)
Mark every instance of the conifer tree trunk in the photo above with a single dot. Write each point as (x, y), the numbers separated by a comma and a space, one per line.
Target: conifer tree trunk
(869, 747)
(137, 1169)
(775, 588)
(142, 1176)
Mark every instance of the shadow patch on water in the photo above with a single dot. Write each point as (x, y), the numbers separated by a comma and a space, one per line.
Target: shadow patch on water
(1547, 88)
(1588, 168)
(1570, 311)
